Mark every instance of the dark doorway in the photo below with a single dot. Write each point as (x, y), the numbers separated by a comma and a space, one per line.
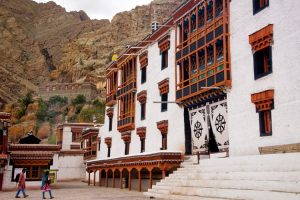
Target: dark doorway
(187, 133)
(212, 143)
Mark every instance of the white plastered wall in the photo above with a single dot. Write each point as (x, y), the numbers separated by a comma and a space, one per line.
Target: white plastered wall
(243, 120)
(174, 114)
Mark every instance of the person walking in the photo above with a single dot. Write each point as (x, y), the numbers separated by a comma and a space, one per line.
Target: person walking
(21, 184)
(46, 181)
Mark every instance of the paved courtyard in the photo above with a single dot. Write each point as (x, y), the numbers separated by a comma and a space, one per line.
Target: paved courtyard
(78, 190)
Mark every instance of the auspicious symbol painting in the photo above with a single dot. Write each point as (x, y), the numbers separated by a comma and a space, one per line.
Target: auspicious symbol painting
(199, 129)
(218, 118)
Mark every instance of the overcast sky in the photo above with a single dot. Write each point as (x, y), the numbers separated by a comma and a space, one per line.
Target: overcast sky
(99, 9)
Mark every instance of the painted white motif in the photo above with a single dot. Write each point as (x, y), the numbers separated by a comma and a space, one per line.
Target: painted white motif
(219, 124)
(199, 129)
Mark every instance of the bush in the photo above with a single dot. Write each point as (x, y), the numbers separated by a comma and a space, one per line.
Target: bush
(26, 100)
(80, 99)
(41, 113)
(58, 100)
(21, 112)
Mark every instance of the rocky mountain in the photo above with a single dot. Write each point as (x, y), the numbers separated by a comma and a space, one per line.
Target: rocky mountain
(41, 42)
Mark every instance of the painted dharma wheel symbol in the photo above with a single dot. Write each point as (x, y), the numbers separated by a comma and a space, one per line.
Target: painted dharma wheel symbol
(198, 130)
(220, 123)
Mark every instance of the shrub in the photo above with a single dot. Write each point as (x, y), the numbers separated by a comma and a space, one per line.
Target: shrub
(80, 99)
(41, 113)
(26, 100)
(58, 100)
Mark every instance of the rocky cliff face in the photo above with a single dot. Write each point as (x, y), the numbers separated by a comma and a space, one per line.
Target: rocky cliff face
(42, 42)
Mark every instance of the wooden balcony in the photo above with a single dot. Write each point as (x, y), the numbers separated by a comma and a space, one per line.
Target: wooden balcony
(126, 122)
(111, 98)
(127, 87)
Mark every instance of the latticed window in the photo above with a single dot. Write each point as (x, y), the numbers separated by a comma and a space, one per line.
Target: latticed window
(200, 17)
(210, 11)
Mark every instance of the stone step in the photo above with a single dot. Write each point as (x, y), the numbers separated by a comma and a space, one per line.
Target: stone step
(224, 168)
(279, 186)
(259, 176)
(229, 193)
(293, 158)
(182, 197)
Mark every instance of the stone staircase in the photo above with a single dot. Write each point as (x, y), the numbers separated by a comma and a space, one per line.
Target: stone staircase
(259, 177)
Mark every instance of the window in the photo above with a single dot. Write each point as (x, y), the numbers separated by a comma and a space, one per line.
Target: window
(265, 123)
(259, 5)
(142, 145)
(264, 103)
(108, 151)
(262, 62)
(127, 148)
(99, 143)
(143, 111)
(164, 104)
(144, 75)
(164, 59)
(110, 124)
(164, 142)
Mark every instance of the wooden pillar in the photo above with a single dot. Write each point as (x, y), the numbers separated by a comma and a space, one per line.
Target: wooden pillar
(121, 186)
(106, 181)
(89, 178)
(100, 178)
(140, 181)
(113, 182)
(129, 180)
(150, 179)
(95, 177)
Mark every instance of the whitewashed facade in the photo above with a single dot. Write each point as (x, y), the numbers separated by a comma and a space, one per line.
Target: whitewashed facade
(244, 128)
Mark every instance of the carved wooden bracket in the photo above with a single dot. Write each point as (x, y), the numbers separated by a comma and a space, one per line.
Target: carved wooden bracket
(141, 132)
(107, 141)
(142, 96)
(163, 126)
(262, 38)
(164, 43)
(263, 100)
(143, 59)
(164, 86)
(126, 136)
(110, 112)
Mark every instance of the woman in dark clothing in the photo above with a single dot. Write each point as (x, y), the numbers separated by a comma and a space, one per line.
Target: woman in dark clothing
(46, 185)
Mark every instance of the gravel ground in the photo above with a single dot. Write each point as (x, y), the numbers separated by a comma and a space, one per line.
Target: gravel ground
(78, 190)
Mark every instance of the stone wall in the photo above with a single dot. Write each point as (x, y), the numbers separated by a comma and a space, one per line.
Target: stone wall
(69, 90)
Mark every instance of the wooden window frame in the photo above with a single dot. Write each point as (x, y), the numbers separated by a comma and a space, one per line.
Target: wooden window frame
(265, 123)
(127, 147)
(164, 106)
(143, 111)
(164, 59)
(262, 5)
(143, 140)
(143, 75)
(264, 103)
(108, 151)
(110, 123)
(265, 66)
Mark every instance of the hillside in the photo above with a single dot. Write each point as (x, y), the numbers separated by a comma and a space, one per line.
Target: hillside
(42, 42)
